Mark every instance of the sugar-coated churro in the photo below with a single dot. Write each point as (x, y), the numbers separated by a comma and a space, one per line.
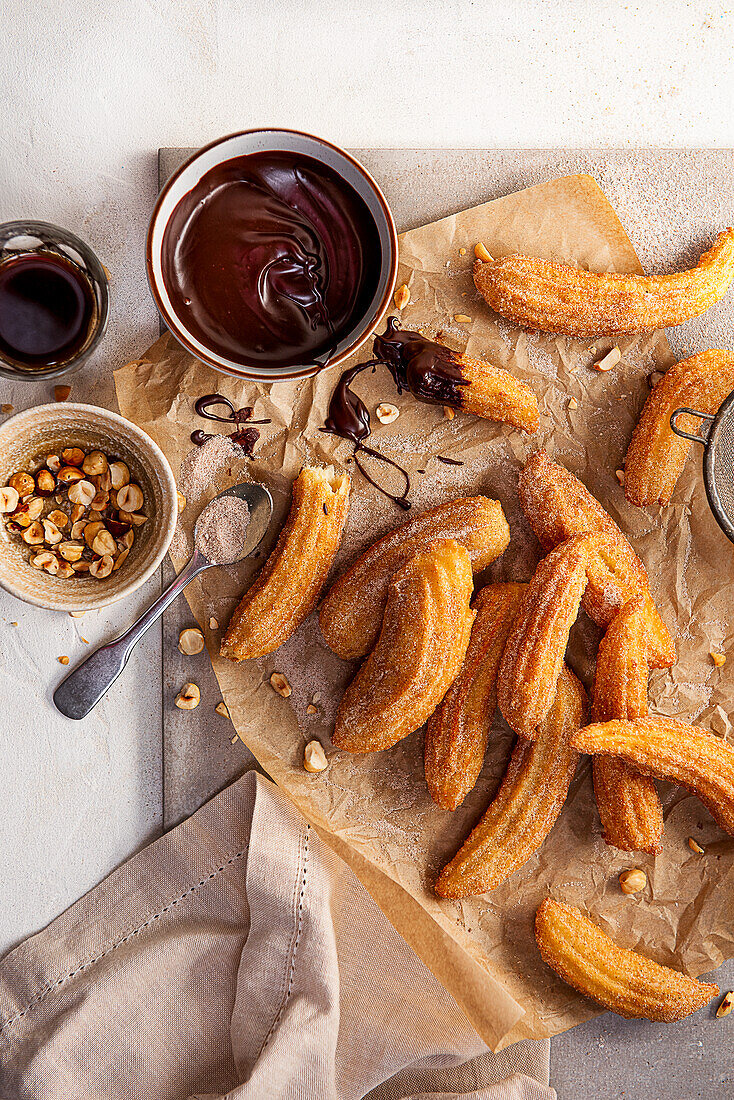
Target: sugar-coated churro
(458, 731)
(621, 980)
(656, 455)
(424, 636)
(527, 804)
(554, 297)
(289, 583)
(629, 806)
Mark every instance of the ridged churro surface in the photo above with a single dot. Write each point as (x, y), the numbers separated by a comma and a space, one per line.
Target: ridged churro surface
(553, 297)
(656, 455)
(288, 586)
(533, 657)
(629, 805)
(424, 637)
(621, 980)
(558, 506)
(495, 394)
(697, 760)
(352, 610)
(458, 732)
(527, 804)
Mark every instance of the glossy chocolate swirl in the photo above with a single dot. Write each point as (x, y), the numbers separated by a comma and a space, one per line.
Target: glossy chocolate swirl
(426, 369)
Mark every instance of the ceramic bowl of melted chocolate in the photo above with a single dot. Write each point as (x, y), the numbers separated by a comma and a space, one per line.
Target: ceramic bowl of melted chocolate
(272, 254)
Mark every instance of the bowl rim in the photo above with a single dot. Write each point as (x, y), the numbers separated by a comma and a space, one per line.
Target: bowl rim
(255, 374)
(140, 437)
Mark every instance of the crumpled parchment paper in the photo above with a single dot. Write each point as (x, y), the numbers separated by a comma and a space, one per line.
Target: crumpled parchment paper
(375, 809)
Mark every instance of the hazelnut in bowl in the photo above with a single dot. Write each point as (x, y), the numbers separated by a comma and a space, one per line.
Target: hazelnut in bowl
(88, 506)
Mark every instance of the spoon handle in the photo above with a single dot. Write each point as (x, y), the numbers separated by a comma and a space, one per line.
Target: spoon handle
(83, 688)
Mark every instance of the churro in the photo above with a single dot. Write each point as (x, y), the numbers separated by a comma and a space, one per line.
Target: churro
(424, 637)
(621, 980)
(629, 806)
(697, 760)
(554, 297)
(527, 804)
(353, 607)
(656, 455)
(458, 731)
(288, 585)
(559, 506)
(533, 657)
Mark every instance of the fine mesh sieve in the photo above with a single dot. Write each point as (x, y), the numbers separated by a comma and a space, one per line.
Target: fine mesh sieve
(716, 436)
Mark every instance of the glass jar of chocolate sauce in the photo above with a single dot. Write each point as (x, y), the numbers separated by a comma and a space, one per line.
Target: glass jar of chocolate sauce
(54, 300)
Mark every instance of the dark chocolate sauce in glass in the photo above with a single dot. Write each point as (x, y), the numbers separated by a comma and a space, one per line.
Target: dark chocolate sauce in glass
(46, 309)
(271, 259)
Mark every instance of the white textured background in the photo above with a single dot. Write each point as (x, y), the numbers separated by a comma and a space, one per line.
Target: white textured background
(90, 89)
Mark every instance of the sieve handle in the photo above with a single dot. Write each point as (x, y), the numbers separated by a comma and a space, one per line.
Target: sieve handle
(702, 439)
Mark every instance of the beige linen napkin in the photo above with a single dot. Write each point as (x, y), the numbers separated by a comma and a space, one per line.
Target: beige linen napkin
(238, 957)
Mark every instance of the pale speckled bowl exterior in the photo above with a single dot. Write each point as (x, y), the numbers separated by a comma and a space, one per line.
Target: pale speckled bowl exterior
(27, 437)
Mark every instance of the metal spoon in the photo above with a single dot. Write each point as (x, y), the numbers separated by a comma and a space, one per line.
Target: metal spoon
(84, 687)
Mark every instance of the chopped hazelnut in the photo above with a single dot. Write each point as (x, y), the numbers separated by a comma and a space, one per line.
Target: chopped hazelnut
(63, 660)
(181, 502)
(481, 253)
(213, 623)
(190, 641)
(104, 543)
(71, 550)
(51, 533)
(314, 757)
(631, 882)
(95, 463)
(82, 492)
(120, 474)
(573, 403)
(279, 683)
(619, 474)
(448, 413)
(401, 297)
(59, 518)
(188, 697)
(8, 499)
(33, 534)
(387, 413)
(719, 659)
(695, 846)
(69, 474)
(726, 1005)
(72, 456)
(102, 567)
(221, 708)
(62, 393)
(609, 360)
(462, 318)
(22, 482)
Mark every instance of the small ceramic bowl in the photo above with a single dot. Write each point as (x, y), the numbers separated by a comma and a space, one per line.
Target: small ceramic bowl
(47, 429)
(257, 141)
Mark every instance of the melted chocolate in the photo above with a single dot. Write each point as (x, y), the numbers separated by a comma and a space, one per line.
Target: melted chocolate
(246, 438)
(449, 461)
(426, 369)
(349, 418)
(46, 308)
(271, 259)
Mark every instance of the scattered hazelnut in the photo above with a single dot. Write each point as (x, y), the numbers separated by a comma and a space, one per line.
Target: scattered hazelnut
(190, 641)
(120, 474)
(82, 492)
(72, 456)
(95, 463)
(61, 393)
(81, 567)
(387, 413)
(181, 502)
(68, 474)
(6, 407)
(448, 413)
(59, 518)
(8, 499)
(462, 252)
(462, 318)
(401, 297)
(221, 708)
(726, 1005)
(77, 511)
(77, 614)
(188, 697)
(695, 846)
(573, 403)
(619, 474)
(609, 360)
(102, 567)
(104, 543)
(23, 483)
(719, 659)
(28, 512)
(103, 481)
(314, 757)
(93, 516)
(71, 550)
(64, 569)
(126, 539)
(481, 253)
(51, 533)
(100, 501)
(654, 378)
(78, 528)
(53, 463)
(63, 660)
(45, 483)
(33, 534)
(279, 683)
(213, 623)
(311, 709)
(120, 559)
(631, 882)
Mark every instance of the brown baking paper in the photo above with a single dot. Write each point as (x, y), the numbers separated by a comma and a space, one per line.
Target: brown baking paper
(375, 809)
